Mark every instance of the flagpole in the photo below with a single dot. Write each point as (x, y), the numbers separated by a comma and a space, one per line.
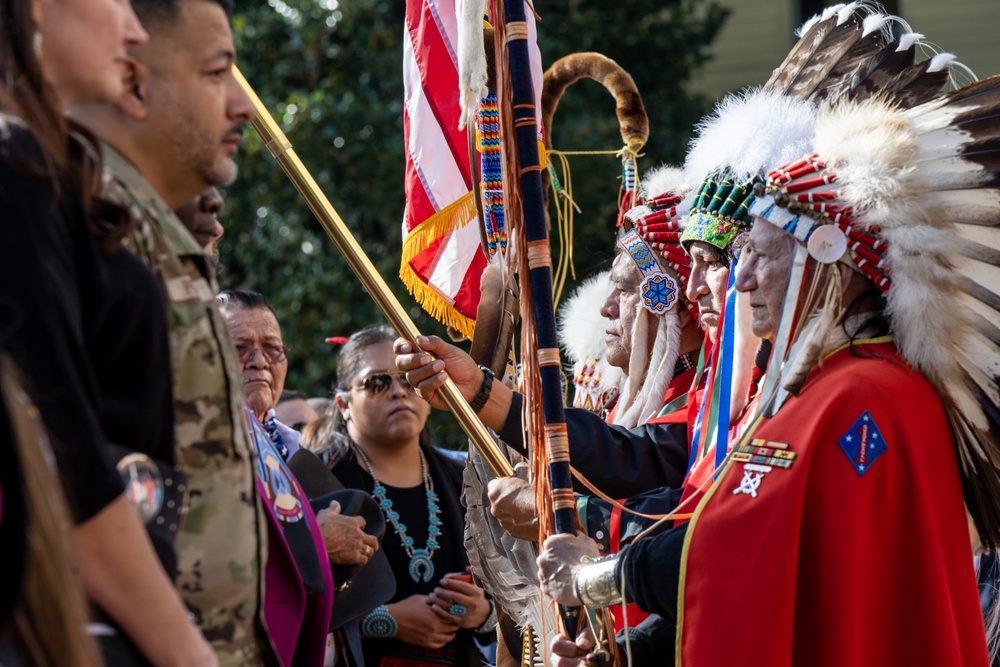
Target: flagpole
(280, 147)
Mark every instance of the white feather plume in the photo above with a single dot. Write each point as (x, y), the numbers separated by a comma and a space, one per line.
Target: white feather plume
(581, 325)
(751, 131)
(581, 335)
(472, 74)
(666, 178)
(909, 40)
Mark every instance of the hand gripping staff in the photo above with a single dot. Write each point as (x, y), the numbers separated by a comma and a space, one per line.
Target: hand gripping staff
(282, 150)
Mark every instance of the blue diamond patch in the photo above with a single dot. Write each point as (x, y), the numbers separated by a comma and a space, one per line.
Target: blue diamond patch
(863, 443)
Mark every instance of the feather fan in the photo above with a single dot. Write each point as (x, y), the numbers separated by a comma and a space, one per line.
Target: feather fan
(505, 565)
(849, 51)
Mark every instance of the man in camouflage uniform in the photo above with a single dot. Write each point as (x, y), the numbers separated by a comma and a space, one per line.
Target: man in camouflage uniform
(172, 135)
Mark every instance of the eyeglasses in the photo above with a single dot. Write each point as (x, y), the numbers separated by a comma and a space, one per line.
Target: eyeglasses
(274, 354)
(377, 384)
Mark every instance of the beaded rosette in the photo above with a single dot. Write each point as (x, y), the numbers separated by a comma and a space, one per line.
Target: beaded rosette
(658, 291)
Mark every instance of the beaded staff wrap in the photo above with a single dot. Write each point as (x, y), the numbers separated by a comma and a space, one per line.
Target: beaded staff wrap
(491, 176)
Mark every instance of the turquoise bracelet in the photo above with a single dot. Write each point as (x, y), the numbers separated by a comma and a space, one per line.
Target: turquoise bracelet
(379, 624)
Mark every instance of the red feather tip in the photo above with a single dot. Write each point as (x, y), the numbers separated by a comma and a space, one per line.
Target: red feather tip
(336, 340)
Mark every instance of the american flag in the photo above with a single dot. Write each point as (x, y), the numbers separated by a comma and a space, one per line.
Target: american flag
(442, 257)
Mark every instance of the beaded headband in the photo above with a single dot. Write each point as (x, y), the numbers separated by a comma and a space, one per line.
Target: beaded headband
(798, 199)
(652, 229)
(658, 290)
(720, 214)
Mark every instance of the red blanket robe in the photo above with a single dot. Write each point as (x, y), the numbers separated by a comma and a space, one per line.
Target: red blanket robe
(858, 554)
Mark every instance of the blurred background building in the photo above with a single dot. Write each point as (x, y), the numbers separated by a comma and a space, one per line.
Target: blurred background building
(759, 33)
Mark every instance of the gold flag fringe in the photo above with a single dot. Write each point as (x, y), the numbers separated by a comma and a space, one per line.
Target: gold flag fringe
(451, 218)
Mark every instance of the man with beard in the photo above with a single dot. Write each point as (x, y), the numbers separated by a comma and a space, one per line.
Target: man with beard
(172, 135)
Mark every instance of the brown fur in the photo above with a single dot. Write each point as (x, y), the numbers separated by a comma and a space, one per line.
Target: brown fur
(628, 103)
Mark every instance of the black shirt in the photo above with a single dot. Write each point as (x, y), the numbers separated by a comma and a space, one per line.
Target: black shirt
(449, 558)
(130, 352)
(621, 462)
(87, 329)
(49, 266)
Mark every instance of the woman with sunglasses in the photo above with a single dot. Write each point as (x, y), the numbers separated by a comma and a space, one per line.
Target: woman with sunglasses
(436, 609)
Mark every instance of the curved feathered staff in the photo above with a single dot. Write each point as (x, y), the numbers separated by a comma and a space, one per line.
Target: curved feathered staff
(633, 124)
(632, 120)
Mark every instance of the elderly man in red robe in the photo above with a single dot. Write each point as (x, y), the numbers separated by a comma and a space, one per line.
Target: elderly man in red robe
(835, 532)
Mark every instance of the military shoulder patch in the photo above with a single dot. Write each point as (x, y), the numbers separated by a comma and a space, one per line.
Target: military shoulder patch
(863, 443)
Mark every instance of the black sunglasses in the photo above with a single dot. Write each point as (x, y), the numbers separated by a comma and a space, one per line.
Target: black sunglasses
(378, 384)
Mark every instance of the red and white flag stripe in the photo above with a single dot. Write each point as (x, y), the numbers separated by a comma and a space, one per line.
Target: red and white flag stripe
(442, 257)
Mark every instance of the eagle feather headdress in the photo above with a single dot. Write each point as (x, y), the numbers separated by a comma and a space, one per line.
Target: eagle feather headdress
(581, 333)
(917, 194)
(847, 52)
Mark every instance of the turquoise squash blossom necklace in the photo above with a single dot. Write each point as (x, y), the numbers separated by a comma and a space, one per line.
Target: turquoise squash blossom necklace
(421, 566)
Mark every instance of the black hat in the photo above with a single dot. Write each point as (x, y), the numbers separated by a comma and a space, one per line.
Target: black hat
(358, 588)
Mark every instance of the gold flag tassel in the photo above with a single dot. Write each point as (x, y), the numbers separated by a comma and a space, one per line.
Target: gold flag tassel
(279, 146)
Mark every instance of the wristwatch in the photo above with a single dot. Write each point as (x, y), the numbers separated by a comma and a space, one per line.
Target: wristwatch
(479, 400)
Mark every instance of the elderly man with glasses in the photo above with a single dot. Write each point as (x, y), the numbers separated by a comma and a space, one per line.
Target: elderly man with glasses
(301, 544)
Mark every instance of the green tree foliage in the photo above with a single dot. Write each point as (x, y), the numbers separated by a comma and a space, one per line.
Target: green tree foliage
(331, 72)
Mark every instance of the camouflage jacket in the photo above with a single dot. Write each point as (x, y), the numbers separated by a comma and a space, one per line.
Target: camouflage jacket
(221, 547)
